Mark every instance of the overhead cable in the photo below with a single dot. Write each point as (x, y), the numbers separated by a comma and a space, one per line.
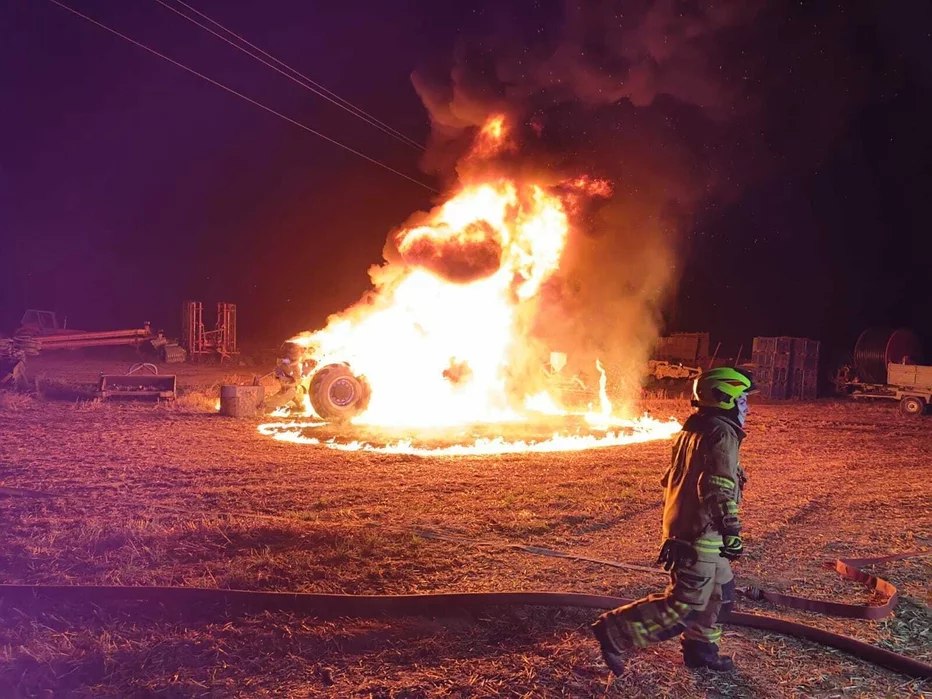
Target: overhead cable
(345, 147)
(283, 68)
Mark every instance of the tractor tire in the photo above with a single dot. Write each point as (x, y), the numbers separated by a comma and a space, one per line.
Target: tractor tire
(912, 405)
(337, 394)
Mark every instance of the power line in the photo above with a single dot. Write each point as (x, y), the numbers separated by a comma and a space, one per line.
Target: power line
(242, 96)
(290, 73)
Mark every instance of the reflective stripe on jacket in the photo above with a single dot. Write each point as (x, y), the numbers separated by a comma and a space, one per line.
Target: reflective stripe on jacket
(702, 487)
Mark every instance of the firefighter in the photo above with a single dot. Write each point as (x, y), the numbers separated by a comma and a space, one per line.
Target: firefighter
(701, 533)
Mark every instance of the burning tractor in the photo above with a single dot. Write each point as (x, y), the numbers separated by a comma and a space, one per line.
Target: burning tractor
(444, 336)
(449, 338)
(335, 393)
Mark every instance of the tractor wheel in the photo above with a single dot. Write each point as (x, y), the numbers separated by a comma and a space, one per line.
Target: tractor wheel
(912, 405)
(337, 394)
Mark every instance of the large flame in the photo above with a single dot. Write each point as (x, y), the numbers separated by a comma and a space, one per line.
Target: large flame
(443, 336)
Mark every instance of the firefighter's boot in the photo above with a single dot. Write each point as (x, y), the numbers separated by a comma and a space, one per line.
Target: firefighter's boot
(610, 643)
(699, 654)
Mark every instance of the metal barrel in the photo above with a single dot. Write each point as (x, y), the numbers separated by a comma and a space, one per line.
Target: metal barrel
(137, 385)
(877, 347)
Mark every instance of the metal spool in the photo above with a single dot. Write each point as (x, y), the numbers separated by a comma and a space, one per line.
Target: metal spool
(877, 347)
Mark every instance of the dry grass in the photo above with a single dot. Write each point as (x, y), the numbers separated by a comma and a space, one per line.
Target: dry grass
(196, 402)
(166, 496)
(14, 402)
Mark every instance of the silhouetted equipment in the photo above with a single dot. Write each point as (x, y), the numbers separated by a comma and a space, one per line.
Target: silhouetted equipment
(42, 331)
(201, 342)
(887, 366)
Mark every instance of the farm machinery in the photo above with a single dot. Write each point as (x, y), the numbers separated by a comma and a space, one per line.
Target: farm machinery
(661, 369)
(334, 391)
(41, 331)
(910, 384)
(884, 368)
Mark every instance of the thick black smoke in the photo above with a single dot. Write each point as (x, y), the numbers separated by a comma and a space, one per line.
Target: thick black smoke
(474, 255)
(680, 104)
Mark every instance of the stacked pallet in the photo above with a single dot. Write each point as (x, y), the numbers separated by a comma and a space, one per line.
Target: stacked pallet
(786, 367)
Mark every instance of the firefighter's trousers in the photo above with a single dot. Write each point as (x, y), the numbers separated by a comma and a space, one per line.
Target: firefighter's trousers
(691, 605)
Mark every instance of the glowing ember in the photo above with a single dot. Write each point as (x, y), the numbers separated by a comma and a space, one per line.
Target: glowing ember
(442, 341)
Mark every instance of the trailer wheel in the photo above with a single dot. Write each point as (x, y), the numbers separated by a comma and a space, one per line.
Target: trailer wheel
(337, 394)
(912, 405)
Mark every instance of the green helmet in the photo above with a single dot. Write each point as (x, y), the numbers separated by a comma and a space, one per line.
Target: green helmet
(720, 387)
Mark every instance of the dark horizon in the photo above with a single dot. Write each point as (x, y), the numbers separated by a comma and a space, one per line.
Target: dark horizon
(127, 185)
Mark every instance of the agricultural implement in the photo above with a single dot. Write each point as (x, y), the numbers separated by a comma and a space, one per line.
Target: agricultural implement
(200, 342)
(43, 332)
(884, 368)
(910, 384)
(142, 381)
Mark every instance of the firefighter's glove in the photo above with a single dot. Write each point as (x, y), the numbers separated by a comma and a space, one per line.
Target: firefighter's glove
(675, 553)
(733, 547)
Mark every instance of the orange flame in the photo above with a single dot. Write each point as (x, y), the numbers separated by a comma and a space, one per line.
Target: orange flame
(492, 138)
(420, 320)
(444, 331)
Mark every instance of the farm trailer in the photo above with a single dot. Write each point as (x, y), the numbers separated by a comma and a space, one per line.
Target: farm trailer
(910, 384)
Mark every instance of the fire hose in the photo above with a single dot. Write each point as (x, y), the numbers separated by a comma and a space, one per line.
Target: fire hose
(325, 605)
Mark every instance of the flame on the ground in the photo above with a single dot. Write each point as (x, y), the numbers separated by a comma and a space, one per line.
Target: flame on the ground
(607, 430)
(442, 339)
(623, 432)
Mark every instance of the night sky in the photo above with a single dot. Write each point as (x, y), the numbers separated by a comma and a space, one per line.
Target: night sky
(784, 149)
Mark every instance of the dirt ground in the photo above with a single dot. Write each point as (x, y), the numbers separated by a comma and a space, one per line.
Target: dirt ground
(177, 495)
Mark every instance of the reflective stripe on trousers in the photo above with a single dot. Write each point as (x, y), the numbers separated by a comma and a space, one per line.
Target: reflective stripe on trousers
(691, 604)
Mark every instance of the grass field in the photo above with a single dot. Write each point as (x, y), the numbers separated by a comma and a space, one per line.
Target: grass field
(177, 495)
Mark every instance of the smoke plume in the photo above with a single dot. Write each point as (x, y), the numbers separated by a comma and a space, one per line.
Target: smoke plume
(635, 92)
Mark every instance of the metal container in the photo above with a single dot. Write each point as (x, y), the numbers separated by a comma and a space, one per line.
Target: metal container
(137, 384)
(241, 401)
